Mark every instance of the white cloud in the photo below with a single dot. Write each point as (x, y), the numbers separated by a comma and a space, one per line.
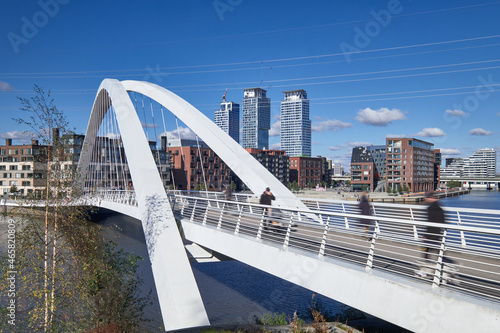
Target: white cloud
(479, 131)
(113, 136)
(22, 137)
(431, 132)
(336, 148)
(359, 144)
(395, 136)
(380, 117)
(4, 86)
(450, 151)
(185, 133)
(275, 146)
(456, 113)
(329, 125)
(275, 129)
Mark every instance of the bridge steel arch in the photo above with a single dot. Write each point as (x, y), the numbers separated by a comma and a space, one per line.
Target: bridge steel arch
(250, 171)
(179, 298)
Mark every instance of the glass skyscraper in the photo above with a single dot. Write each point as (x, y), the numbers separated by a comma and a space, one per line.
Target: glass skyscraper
(295, 124)
(256, 119)
(228, 119)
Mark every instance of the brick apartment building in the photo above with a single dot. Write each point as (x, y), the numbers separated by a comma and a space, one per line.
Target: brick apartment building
(306, 170)
(192, 164)
(410, 163)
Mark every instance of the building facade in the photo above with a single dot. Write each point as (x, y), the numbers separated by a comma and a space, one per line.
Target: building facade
(363, 170)
(410, 164)
(23, 168)
(256, 115)
(481, 164)
(379, 158)
(306, 171)
(275, 161)
(337, 169)
(228, 119)
(295, 124)
(194, 164)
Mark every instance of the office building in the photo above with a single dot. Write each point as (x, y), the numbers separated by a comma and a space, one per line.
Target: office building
(256, 114)
(295, 124)
(228, 119)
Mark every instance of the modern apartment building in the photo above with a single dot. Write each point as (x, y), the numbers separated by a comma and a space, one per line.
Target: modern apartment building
(228, 119)
(437, 168)
(306, 170)
(23, 167)
(275, 161)
(295, 124)
(256, 114)
(481, 164)
(194, 164)
(338, 169)
(363, 169)
(379, 158)
(410, 163)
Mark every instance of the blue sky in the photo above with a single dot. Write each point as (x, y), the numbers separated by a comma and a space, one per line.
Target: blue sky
(372, 69)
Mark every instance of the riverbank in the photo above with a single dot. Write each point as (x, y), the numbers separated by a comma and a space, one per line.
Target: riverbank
(335, 194)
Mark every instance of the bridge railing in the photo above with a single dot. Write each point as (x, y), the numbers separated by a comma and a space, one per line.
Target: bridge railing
(465, 258)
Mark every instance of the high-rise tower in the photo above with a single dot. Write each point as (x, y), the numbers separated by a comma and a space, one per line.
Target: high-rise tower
(295, 123)
(228, 119)
(256, 118)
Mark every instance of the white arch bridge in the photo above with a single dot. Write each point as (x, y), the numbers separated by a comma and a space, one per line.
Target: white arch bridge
(318, 245)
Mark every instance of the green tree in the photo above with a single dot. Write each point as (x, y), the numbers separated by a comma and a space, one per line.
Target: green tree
(453, 183)
(70, 279)
(405, 188)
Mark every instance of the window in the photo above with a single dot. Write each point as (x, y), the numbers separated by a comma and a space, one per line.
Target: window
(13, 167)
(26, 167)
(26, 184)
(13, 183)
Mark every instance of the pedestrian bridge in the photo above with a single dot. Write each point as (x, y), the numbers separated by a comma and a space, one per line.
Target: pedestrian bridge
(317, 244)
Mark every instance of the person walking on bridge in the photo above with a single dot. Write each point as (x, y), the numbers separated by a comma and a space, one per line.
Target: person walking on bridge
(433, 235)
(365, 209)
(266, 199)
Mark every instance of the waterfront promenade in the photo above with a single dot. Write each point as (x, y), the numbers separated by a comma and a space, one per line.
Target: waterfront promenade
(341, 194)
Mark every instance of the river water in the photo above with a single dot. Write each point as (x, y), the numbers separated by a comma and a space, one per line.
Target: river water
(235, 293)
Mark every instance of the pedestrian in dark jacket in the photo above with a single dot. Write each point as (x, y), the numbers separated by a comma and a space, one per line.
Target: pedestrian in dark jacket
(432, 234)
(266, 199)
(365, 209)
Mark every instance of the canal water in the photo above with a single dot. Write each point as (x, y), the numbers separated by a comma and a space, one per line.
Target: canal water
(234, 293)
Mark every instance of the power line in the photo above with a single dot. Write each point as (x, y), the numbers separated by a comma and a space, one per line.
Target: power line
(21, 75)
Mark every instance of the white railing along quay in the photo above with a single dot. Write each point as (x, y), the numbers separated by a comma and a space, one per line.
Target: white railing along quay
(390, 246)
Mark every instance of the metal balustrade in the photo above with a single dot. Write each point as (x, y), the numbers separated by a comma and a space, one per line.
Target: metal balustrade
(465, 260)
